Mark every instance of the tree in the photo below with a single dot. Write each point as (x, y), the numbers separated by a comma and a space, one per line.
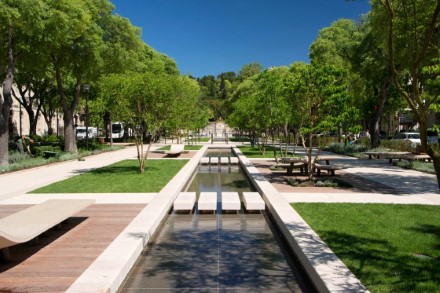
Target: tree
(272, 103)
(148, 100)
(84, 40)
(21, 22)
(321, 99)
(412, 39)
(343, 45)
(244, 113)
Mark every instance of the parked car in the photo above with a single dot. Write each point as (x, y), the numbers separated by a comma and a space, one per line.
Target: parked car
(363, 134)
(432, 136)
(413, 137)
(81, 132)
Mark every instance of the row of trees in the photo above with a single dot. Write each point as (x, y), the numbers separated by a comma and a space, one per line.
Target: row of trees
(359, 73)
(50, 48)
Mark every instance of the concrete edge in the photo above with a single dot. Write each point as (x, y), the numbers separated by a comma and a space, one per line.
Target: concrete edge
(109, 270)
(325, 269)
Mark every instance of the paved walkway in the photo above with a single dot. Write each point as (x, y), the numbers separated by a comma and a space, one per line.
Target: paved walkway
(407, 186)
(399, 186)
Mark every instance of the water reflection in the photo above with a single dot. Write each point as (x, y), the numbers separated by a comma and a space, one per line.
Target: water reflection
(214, 252)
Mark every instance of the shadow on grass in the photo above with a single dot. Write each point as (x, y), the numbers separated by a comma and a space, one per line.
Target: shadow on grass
(381, 267)
(122, 170)
(430, 229)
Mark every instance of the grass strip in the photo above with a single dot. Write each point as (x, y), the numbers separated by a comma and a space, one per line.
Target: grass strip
(186, 148)
(123, 176)
(390, 248)
(254, 152)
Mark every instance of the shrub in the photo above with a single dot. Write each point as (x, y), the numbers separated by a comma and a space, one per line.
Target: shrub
(349, 149)
(17, 157)
(52, 139)
(399, 145)
(318, 183)
(39, 150)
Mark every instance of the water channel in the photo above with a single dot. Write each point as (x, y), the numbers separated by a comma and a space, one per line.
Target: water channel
(206, 252)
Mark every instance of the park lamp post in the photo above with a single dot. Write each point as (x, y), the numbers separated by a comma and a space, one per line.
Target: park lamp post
(86, 89)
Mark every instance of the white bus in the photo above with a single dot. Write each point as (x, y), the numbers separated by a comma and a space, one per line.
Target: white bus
(118, 130)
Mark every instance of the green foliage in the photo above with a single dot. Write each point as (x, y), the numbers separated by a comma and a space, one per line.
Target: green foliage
(39, 150)
(390, 248)
(317, 183)
(398, 145)
(346, 149)
(426, 167)
(123, 176)
(255, 152)
(52, 139)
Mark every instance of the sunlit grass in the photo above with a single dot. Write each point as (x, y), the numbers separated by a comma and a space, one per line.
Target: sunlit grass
(254, 152)
(426, 167)
(390, 248)
(123, 176)
(186, 148)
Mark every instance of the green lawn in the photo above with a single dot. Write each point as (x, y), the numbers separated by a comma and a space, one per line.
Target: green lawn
(123, 176)
(187, 148)
(200, 139)
(254, 152)
(390, 248)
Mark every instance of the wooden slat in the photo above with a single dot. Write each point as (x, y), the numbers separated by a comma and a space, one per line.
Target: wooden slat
(63, 255)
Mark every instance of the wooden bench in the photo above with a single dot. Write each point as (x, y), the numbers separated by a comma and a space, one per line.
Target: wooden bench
(31, 222)
(294, 165)
(373, 154)
(49, 154)
(185, 201)
(409, 157)
(253, 201)
(417, 157)
(329, 168)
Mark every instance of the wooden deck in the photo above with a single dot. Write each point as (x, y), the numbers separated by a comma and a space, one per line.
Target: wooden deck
(62, 255)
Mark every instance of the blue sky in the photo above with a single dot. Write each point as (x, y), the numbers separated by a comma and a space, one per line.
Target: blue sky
(214, 36)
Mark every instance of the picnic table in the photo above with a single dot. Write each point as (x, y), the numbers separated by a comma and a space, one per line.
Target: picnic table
(387, 155)
(302, 164)
(408, 157)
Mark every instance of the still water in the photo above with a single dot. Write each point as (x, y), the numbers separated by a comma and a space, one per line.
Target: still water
(219, 252)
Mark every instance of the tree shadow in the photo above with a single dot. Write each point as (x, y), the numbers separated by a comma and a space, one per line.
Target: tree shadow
(380, 265)
(214, 252)
(21, 252)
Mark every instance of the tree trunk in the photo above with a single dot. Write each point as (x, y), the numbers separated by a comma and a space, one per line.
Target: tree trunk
(68, 109)
(69, 133)
(6, 104)
(375, 123)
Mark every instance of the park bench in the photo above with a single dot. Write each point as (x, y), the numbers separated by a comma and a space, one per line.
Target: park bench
(50, 154)
(373, 154)
(31, 222)
(294, 165)
(409, 157)
(329, 168)
(175, 150)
